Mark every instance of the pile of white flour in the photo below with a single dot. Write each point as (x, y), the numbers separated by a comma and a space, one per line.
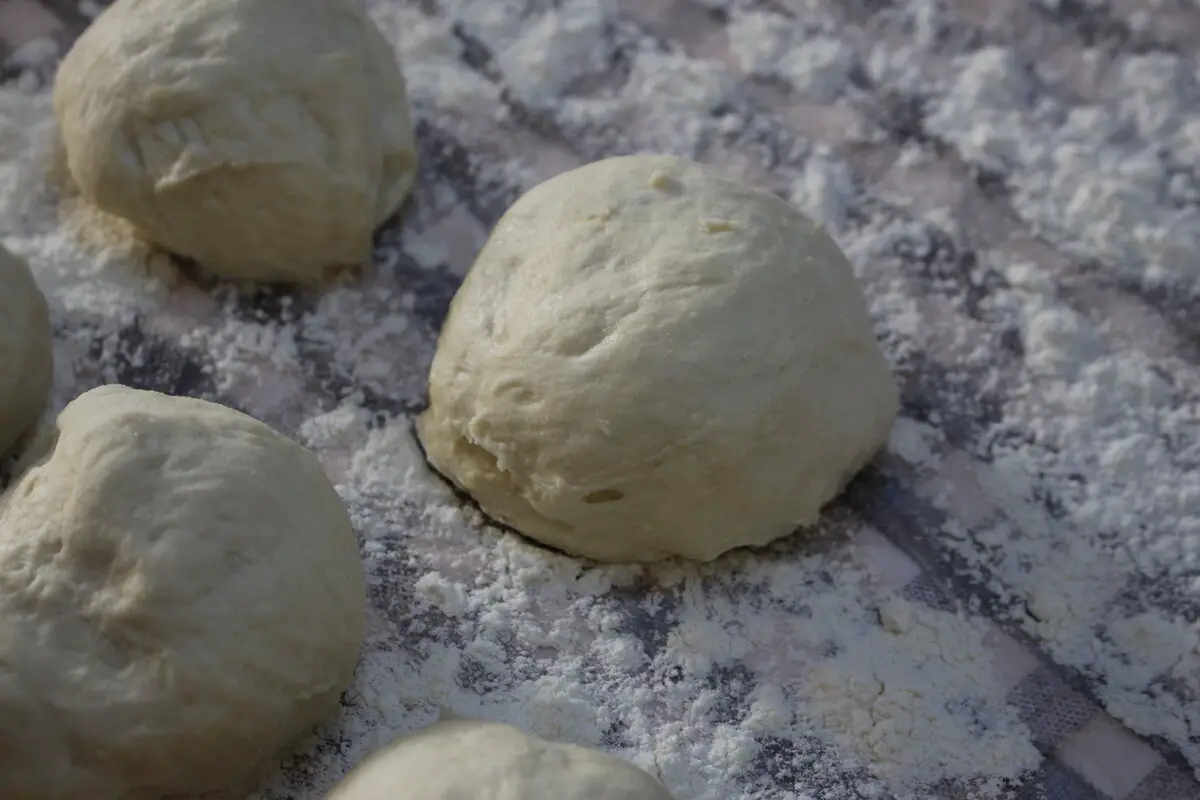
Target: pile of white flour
(1047, 459)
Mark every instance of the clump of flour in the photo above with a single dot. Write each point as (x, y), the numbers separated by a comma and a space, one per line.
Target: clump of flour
(769, 44)
(902, 689)
(1078, 178)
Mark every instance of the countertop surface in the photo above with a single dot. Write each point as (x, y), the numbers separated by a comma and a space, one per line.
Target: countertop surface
(1003, 604)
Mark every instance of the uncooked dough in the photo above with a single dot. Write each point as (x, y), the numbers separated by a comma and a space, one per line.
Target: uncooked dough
(648, 360)
(26, 350)
(266, 139)
(460, 759)
(181, 597)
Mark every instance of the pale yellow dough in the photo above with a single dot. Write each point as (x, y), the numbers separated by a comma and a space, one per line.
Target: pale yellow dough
(465, 759)
(648, 360)
(266, 139)
(181, 597)
(26, 350)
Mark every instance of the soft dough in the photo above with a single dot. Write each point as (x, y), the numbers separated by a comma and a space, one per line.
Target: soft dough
(181, 597)
(462, 759)
(648, 360)
(266, 139)
(26, 350)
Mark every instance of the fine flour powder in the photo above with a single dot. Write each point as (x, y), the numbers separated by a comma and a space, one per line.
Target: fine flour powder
(1006, 595)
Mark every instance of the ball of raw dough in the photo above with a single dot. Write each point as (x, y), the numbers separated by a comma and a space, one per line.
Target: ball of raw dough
(266, 139)
(467, 758)
(26, 357)
(648, 360)
(181, 597)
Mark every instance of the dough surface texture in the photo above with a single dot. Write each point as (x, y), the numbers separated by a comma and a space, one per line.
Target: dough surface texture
(181, 598)
(461, 759)
(647, 360)
(266, 139)
(26, 350)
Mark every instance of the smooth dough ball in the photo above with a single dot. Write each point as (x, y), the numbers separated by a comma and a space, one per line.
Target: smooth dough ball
(461, 759)
(648, 360)
(181, 598)
(266, 139)
(26, 350)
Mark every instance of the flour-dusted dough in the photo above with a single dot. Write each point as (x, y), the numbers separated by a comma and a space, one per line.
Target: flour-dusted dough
(181, 597)
(26, 357)
(461, 759)
(647, 360)
(266, 139)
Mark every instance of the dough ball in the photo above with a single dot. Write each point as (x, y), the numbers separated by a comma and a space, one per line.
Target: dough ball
(181, 597)
(648, 360)
(465, 758)
(266, 139)
(26, 357)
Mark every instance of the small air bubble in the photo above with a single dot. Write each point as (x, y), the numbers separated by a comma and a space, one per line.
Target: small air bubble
(718, 226)
(603, 496)
(663, 182)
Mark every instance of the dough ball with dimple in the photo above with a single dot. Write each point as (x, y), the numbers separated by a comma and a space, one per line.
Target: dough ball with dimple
(462, 759)
(181, 597)
(266, 139)
(26, 357)
(648, 360)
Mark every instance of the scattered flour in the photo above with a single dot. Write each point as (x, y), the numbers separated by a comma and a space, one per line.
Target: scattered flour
(685, 85)
(562, 46)
(1077, 177)
(826, 189)
(770, 44)
(800, 673)
(684, 670)
(1086, 526)
(900, 692)
(1129, 535)
(435, 74)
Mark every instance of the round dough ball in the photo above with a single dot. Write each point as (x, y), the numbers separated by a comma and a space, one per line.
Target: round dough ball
(467, 758)
(266, 139)
(26, 350)
(648, 360)
(181, 597)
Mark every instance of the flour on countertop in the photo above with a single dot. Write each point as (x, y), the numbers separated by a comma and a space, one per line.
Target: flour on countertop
(900, 693)
(1077, 176)
(1025, 249)
(770, 44)
(473, 628)
(825, 191)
